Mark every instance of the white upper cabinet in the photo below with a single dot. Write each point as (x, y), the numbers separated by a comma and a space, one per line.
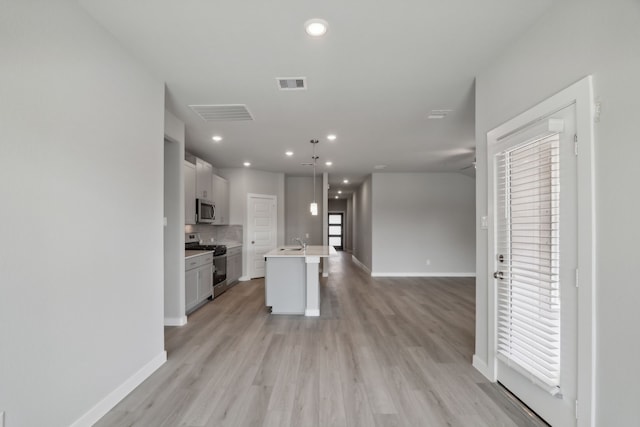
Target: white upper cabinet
(204, 177)
(221, 199)
(189, 193)
(201, 183)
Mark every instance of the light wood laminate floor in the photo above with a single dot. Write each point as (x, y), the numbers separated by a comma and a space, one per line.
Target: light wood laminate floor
(384, 352)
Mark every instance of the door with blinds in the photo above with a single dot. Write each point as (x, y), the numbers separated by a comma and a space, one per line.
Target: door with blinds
(534, 237)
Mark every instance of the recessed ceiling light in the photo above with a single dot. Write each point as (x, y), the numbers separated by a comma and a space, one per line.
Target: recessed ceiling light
(328, 163)
(346, 181)
(336, 197)
(331, 137)
(217, 138)
(289, 153)
(339, 191)
(247, 164)
(316, 27)
(380, 166)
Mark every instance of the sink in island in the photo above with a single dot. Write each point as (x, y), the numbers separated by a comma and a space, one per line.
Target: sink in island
(291, 281)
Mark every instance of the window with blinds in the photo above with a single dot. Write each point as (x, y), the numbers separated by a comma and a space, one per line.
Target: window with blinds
(528, 289)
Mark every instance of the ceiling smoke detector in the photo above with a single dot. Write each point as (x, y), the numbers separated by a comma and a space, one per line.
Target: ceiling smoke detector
(292, 83)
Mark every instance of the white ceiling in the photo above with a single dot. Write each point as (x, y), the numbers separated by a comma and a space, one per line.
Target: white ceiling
(372, 79)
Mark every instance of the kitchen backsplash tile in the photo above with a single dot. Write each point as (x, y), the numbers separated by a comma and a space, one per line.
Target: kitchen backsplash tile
(216, 233)
(228, 233)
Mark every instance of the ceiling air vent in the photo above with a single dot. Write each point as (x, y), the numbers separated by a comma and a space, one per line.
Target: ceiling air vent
(292, 83)
(221, 113)
(438, 114)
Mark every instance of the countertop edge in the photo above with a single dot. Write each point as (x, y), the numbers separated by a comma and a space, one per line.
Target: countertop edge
(310, 251)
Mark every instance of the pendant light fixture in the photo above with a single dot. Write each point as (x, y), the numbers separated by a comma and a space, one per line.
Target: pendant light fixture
(314, 206)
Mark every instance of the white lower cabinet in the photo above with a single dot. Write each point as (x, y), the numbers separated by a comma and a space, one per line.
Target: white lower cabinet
(285, 285)
(198, 280)
(234, 264)
(191, 289)
(205, 282)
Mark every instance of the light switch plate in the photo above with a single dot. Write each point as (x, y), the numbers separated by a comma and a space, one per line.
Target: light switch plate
(484, 223)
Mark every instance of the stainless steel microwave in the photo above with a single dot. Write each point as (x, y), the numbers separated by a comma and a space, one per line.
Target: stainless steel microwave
(205, 211)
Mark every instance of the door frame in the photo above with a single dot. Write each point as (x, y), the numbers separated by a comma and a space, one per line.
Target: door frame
(580, 94)
(342, 226)
(247, 245)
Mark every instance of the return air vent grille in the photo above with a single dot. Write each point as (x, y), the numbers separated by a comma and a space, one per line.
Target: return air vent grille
(292, 83)
(221, 113)
(438, 114)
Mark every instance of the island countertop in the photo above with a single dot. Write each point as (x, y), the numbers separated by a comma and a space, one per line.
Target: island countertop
(297, 251)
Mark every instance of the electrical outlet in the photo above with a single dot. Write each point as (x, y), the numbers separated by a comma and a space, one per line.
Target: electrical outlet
(306, 235)
(428, 261)
(484, 223)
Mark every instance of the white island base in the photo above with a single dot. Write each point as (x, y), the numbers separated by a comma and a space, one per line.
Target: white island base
(292, 284)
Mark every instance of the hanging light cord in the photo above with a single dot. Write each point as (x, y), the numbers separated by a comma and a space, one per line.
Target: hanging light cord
(315, 159)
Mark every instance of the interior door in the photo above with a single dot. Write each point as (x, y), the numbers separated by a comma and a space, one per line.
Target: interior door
(533, 239)
(262, 231)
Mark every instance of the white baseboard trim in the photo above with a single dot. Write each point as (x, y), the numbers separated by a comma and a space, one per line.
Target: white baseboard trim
(481, 367)
(175, 321)
(421, 274)
(112, 399)
(312, 312)
(357, 262)
(244, 278)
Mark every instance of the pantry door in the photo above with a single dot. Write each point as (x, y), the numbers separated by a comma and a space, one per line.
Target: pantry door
(534, 252)
(261, 231)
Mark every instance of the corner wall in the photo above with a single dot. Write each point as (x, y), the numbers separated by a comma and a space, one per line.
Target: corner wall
(81, 184)
(174, 297)
(575, 39)
(362, 248)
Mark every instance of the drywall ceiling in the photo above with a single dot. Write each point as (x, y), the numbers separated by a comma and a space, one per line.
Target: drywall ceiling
(372, 80)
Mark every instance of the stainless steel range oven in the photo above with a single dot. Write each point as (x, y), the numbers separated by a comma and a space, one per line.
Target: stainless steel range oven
(219, 273)
(192, 241)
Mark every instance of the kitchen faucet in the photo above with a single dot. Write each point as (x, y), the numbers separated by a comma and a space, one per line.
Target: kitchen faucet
(303, 245)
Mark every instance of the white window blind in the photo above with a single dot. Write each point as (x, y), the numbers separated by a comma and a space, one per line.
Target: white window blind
(528, 289)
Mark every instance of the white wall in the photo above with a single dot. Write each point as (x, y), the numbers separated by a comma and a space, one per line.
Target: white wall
(81, 241)
(420, 216)
(298, 220)
(362, 248)
(349, 231)
(578, 38)
(243, 181)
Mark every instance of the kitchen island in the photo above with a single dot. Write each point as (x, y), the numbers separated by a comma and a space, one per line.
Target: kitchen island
(292, 285)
